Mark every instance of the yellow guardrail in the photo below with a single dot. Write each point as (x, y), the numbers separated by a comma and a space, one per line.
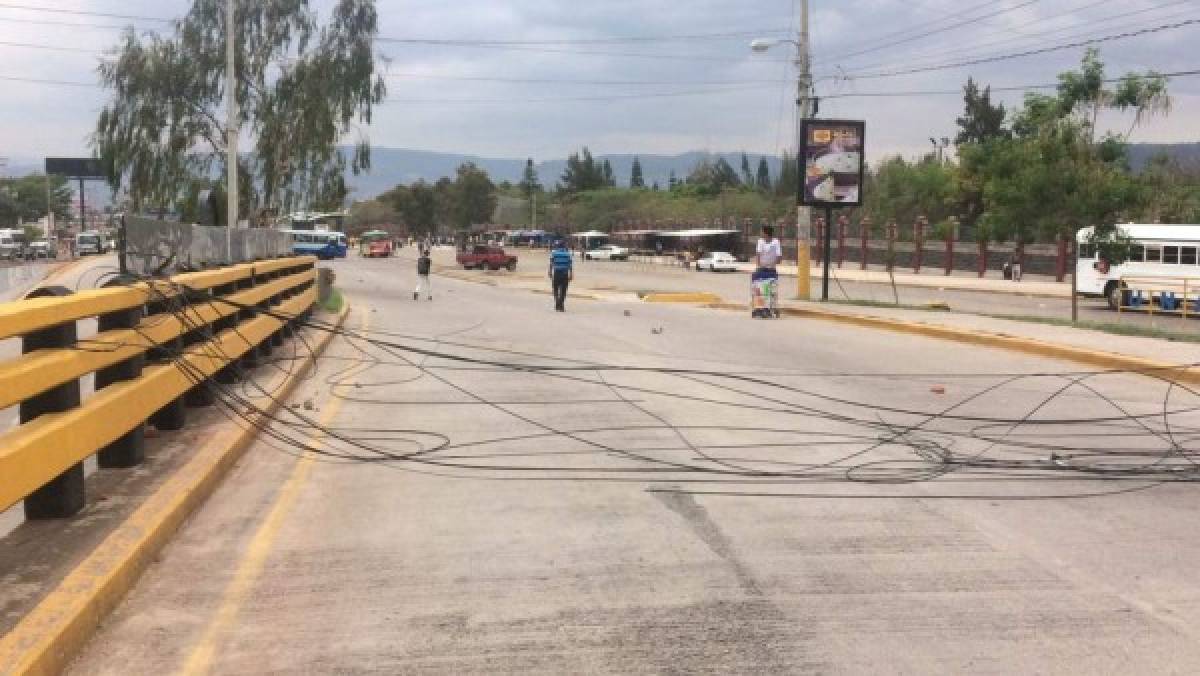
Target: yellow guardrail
(1173, 295)
(213, 311)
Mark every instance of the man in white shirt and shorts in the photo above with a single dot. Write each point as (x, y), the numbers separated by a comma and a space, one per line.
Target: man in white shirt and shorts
(767, 255)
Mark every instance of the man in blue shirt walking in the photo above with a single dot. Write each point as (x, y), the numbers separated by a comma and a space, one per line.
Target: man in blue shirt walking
(561, 273)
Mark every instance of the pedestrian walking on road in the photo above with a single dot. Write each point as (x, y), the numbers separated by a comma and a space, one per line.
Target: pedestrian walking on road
(424, 263)
(561, 272)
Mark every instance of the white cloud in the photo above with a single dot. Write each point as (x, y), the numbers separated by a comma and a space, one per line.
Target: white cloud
(39, 120)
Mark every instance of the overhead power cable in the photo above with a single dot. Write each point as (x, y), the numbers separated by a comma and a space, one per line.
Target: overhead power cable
(926, 25)
(974, 49)
(466, 42)
(35, 80)
(485, 78)
(588, 52)
(53, 48)
(1029, 52)
(935, 31)
(569, 99)
(80, 12)
(959, 92)
(70, 24)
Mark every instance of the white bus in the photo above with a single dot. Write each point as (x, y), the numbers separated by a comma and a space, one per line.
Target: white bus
(1159, 251)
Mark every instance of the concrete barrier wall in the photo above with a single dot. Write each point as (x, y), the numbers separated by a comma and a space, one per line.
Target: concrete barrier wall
(163, 247)
(16, 279)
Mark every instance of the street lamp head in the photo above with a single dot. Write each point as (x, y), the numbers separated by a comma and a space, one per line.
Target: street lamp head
(762, 44)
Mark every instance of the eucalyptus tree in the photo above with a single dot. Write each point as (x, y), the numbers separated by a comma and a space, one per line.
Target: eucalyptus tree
(301, 87)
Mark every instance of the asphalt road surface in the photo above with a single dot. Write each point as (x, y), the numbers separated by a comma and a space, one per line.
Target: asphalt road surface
(690, 491)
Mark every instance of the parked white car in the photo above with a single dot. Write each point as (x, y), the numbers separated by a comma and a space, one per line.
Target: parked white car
(607, 252)
(717, 261)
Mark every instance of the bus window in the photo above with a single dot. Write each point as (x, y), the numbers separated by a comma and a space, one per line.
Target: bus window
(1137, 253)
(1087, 250)
(1153, 254)
(1170, 255)
(1188, 255)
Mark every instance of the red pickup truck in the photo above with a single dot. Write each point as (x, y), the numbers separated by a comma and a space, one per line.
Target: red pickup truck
(486, 258)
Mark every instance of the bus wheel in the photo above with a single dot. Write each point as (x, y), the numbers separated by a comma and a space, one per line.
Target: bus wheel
(1113, 292)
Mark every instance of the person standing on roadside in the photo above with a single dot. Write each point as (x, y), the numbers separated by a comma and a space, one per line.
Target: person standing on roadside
(424, 263)
(561, 272)
(765, 279)
(767, 254)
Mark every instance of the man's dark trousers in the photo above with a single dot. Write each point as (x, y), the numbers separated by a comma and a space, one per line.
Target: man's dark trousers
(560, 281)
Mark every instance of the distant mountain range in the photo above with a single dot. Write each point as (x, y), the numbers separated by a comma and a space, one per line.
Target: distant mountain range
(390, 166)
(1187, 154)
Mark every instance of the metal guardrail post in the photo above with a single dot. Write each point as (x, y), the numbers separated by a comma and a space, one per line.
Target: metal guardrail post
(277, 338)
(130, 449)
(64, 495)
(229, 374)
(202, 394)
(250, 360)
(173, 416)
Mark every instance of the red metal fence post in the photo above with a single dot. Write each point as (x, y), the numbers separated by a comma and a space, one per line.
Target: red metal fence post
(918, 243)
(818, 251)
(983, 255)
(843, 223)
(950, 233)
(864, 227)
(1060, 267)
(892, 230)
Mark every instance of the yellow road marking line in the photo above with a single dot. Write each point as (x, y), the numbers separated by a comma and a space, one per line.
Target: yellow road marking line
(254, 559)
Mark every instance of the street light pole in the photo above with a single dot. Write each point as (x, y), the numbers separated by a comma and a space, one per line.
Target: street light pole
(803, 110)
(231, 128)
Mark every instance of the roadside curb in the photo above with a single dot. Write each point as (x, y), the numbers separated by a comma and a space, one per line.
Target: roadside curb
(1040, 348)
(46, 639)
(683, 297)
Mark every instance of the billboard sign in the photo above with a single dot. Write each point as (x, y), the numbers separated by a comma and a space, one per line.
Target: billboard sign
(832, 166)
(76, 167)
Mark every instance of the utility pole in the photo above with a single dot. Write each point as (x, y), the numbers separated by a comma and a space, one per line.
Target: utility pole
(533, 210)
(231, 127)
(804, 109)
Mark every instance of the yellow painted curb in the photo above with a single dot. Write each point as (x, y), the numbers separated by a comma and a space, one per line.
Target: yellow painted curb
(698, 297)
(1040, 348)
(46, 639)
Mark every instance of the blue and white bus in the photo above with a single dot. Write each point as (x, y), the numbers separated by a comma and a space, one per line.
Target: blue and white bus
(323, 245)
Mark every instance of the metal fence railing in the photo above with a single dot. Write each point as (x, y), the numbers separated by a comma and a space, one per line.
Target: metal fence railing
(158, 345)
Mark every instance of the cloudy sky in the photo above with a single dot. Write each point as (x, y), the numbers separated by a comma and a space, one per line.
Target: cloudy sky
(642, 76)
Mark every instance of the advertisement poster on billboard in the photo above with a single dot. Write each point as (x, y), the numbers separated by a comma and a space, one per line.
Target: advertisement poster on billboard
(832, 160)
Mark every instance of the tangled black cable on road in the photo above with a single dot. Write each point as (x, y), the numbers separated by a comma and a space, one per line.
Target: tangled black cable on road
(717, 432)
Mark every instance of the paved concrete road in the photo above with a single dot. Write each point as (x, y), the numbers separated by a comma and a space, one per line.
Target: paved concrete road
(734, 287)
(560, 531)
